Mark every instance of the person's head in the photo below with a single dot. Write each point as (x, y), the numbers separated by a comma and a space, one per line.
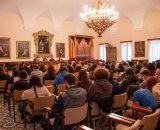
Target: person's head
(144, 74)
(51, 69)
(158, 65)
(82, 75)
(112, 68)
(35, 81)
(151, 67)
(69, 79)
(42, 68)
(101, 74)
(70, 69)
(131, 63)
(62, 68)
(35, 66)
(145, 64)
(158, 74)
(78, 68)
(129, 71)
(107, 66)
(15, 72)
(121, 67)
(23, 74)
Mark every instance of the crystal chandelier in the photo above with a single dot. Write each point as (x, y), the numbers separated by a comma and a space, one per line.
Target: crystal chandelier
(99, 18)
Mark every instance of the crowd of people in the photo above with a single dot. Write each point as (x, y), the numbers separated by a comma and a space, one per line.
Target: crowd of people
(87, 81)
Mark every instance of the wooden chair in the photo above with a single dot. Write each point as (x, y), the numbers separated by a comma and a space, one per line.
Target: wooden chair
(70, 115)
(50, 88)
(83, 127)
(2, 88)
(48, 82)
(120, 102)
(94, 113)
(148, 122)
(8, 95)
(17, 100)
(61, 88)
(36, 107)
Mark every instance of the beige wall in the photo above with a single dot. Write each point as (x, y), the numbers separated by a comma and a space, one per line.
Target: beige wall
(12, 26)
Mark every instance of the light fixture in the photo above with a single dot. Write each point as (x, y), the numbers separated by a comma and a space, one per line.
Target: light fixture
(99, 18)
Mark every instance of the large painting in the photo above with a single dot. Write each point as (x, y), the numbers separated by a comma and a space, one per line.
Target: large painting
(4, 48)
(60, 50)
(140, 49)
(43, 42)
(23, 49)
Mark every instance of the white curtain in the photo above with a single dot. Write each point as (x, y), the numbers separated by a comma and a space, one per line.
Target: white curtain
(126, 51)
(102, 51)
(154, 50)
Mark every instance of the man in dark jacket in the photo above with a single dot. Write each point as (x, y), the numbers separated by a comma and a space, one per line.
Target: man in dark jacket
(22, 84)
(130, 79)
(73, 97)
(101, 90)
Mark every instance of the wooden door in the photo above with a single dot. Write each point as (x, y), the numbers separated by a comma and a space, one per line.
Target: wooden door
(111, 54)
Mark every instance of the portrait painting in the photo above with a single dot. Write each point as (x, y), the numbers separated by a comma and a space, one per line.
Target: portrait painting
(140, 49)
(23, 49)
(43, 42)
(4, 48)
(60, 50)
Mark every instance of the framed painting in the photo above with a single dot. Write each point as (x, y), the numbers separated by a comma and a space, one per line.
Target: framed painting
(140, 49)
(4, 48)
(43, 42)
(23, 49)
(60, 50)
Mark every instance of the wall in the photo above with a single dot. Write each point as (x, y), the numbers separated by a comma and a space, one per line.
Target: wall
(12, 26)
(127, 32)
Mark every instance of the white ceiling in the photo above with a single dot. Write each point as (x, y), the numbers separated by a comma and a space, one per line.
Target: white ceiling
(60, 10)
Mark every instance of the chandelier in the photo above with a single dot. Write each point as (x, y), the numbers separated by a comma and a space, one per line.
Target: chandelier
(99, 18)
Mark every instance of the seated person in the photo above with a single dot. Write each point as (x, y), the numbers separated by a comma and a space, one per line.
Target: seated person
(156, 88)
(59, 79)
(101, 90)
(36, 89)
(23, 82)
(73, 97)
(130, 79)
(142, 97)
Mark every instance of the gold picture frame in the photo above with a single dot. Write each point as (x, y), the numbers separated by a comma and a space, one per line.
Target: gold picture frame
(5, 48)
(43, 42)
(23, 49)
(60, 50)
(140, 49)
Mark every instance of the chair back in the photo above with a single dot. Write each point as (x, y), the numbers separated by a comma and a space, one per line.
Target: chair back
(75, 115)
(41, 102)
(120, 101)
(3, 84)
(149, 122)
(94, 109)
(115, 75)
(50, 89)
(9, 87)
(48, 82)
(17, 95)
(135, 126)
(61, 88)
